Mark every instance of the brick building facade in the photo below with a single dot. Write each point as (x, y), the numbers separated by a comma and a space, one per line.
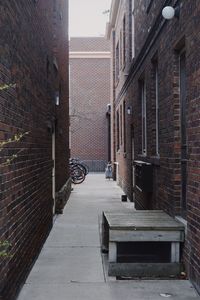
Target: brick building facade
(89, 99)
(33, 79)
(119, 32)
(161, 90)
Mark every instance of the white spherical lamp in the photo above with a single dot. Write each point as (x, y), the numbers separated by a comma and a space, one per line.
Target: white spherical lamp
(168, 12)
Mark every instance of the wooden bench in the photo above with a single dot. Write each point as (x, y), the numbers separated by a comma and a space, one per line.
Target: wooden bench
(146, 228)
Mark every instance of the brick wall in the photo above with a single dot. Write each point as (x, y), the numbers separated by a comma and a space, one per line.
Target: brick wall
(122, 136)
(62, 78)
(89, 95)
(162, 42)
(27, 81)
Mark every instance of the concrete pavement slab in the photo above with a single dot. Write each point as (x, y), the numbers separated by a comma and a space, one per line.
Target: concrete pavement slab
(70, 265)
(134, 290)
(62, 265)
(67, 235)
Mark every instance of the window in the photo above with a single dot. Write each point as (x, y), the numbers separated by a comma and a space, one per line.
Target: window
(144, 116)
(124, 42)
(124, 125)
(148, 4)
(157, 110)
(117, 117)
(121, 133)
(133, 28)
(121, 52)
(117, 63)
(155, 89)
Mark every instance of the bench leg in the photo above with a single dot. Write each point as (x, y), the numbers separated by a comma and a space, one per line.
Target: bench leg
(112, 252)
(104, 235)
(175, 252)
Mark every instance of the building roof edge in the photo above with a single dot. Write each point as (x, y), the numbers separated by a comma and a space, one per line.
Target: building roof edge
(112, 18)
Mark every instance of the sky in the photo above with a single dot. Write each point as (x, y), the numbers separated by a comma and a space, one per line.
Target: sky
(86, 17)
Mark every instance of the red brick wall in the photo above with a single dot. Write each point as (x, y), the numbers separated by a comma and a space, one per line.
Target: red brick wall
(62, 111)
(123, 155)
(155, 37)
(89, 94)
(28, 106)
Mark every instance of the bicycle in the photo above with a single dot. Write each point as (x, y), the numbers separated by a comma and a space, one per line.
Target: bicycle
(80, 164)
(76, 173)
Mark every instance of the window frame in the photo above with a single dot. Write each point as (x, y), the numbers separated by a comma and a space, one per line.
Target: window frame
(121, 125)
(124, 125)
(133, 30)
(143, 100)
(117, 133)
(124, 42)
(117, 62)
(157, 107)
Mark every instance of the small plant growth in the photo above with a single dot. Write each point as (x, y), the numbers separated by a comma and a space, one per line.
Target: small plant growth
(4, 248)
(14, 139)
(5, 245)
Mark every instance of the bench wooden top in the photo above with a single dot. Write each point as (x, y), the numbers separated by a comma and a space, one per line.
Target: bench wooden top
(142, 220)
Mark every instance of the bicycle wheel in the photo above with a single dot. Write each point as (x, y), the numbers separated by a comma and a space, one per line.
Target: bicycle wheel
(85, 167)
(77, 175)
(82, 167)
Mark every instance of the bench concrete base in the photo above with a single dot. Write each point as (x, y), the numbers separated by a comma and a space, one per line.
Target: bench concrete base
(145, 270)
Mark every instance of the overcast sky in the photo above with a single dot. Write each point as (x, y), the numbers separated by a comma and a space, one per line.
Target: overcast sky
(86, 17)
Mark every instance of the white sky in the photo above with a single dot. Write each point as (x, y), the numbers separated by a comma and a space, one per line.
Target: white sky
(86, 17)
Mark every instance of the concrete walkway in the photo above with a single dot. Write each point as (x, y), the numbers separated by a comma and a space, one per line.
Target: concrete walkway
(70, 266)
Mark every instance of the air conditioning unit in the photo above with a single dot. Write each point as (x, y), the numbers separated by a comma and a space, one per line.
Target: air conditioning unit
(143, 176)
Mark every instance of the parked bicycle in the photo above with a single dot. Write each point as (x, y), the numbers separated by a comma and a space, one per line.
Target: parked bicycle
(78, 170)
(81, 165)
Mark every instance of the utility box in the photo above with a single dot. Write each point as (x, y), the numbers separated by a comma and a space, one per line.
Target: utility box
(143, 176)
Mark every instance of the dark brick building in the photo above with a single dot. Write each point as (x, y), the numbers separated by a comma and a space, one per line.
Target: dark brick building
(89, 99)
(161, 89)
(33, 100)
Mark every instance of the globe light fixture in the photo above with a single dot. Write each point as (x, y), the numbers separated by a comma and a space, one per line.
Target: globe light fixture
(169, 12)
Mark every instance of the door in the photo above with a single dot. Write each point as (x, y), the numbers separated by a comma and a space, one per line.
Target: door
(53, 170)
(133, 158)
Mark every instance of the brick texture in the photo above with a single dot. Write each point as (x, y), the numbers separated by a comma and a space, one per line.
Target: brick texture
(28, 81)
(122, 156)
(89, 95)
(163, 41)
(89, 44)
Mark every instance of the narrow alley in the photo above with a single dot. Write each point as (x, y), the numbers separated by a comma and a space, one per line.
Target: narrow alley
(95, 86)
(71, 265)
